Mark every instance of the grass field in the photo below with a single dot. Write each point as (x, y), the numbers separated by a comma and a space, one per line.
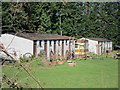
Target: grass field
(96, 73)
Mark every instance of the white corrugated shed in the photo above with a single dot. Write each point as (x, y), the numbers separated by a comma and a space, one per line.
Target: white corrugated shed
(18, 45)
(36, 43)
(98, 45)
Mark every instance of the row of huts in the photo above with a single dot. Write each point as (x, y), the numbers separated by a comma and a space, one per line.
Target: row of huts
(53, 45)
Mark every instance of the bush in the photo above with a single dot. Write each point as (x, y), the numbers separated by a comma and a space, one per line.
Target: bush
(32, 56)
(45, 63)
(40, 54)
(70, 61)
(23, 59)
(6, 63)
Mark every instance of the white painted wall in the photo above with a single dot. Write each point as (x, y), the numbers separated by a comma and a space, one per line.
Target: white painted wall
(73, 45)
(40, 48)
(58, 47)
(92, 45)
(19, 45)
(111, 46)
(107, 45)
(66, 47)
(52, 46)
(48, 49)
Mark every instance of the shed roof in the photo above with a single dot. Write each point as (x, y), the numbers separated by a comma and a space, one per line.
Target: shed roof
(99, 39)
(81, 41)
(37, 36)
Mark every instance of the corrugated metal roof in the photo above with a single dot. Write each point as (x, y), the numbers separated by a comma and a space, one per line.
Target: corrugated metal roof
(99, 39)
(37, 36)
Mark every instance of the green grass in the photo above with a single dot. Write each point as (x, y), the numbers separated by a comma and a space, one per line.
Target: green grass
(97, 73)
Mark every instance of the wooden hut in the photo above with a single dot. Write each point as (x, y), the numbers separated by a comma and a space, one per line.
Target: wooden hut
(81, 48)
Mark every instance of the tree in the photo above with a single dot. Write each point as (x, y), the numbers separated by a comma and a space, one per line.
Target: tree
(14, 17)
(78, 19)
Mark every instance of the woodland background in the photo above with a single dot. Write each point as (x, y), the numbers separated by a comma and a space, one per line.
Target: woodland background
(77, 19)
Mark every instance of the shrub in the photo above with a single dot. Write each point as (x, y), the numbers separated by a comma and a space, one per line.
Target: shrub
(23, 59)
(40, 54)
(6, 63)
(70, 61)
(32, 56)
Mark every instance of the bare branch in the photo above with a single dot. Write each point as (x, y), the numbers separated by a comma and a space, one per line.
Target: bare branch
(3, 50)
(32, 77)
(11, 41)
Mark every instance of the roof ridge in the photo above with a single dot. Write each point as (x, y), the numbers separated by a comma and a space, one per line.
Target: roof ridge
(38, 36)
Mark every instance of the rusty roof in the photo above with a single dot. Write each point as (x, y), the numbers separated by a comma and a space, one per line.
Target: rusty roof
(81, 41)
(99, 39)
(37, 36)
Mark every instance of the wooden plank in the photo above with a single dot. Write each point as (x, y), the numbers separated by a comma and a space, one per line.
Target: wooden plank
(34, 47)
(55, 47)
(83, 50)
(62, 48)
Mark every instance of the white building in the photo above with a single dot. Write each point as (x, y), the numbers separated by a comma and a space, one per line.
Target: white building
(34, 43)
(81, 48)
(98, 45)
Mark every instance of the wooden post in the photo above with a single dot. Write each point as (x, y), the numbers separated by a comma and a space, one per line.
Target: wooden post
(63, 48)
(45, 47)
(55, 47)
(34, 47)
